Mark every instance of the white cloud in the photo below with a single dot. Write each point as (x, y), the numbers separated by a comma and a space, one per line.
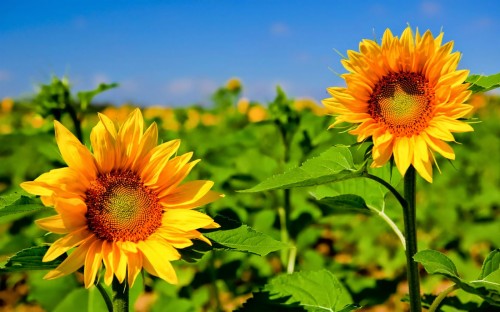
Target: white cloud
(482, 23)
(266, 90)
(129, 86)
(279, 29)
(197, 87)
(5, 75)
(99, 78)
(180, 86)
(430, 8)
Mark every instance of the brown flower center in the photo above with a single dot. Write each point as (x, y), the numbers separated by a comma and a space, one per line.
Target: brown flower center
(403, 102)
(121, 208)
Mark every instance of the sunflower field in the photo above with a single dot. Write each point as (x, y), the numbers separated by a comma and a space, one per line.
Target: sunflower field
(248, 206)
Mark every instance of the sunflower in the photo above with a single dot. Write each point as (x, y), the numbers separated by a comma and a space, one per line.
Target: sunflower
(406, 94)
(122, 205)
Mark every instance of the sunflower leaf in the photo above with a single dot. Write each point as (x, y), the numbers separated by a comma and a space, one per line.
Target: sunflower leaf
(487, 286)
(490, 264)
(345, 203)
(436, 262)
(302, 291)
(335, 164)
(235, 236)
(30, 259)
(19, 203)
(483, 83)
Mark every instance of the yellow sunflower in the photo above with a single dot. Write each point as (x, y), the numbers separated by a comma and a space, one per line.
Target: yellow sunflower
(407, 94)
(122, 205)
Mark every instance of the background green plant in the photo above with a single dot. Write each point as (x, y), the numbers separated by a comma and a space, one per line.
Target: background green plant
(242, 144)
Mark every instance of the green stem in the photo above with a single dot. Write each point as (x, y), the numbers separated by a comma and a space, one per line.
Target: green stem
(391, 223)
(411, 239)
(213, 278)
(437, 302)
(105, 296)
(284, 213)
(401, 199)
(120, 295)
(292, 256)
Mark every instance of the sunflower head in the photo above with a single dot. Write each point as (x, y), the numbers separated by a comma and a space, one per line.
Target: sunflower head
(123, 204)
(406, 94)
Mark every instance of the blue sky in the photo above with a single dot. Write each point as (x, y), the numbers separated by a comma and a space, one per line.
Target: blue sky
(179, 52)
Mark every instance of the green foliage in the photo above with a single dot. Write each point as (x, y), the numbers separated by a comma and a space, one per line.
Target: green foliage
(329, 224)
(86, 97)
(239, 237)
(487, 285)
(19, 204)
(302, 291)
(335, 164)
(30, 259)
(483, 83)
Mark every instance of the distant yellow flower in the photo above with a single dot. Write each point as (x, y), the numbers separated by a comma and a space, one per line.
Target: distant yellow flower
(7, 104)
(233, 84)
(122, 205)
(309, 104)
(257, 113)
(407, 94)
(193, 119)
(243, 105)
(208, 119)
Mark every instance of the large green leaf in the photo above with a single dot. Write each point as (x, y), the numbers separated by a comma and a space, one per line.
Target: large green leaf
(30, 259)
(19, 203)
(335, 164)
(235, 236)
(86, 97)
(346, 203)
(483, 83)
(490, 264)
(309, 290)
(436, 262)
(487, 287)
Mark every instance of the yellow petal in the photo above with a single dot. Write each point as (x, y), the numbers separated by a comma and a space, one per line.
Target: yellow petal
(67, 242)
(93, 262)
(148, 141)
(403, 154)
(187, 193)
(155, 261)
(134, 267)
(424, 168)
(439, 146)
(74, 153)
(63, 182)
(129, 136)
(156, 160)
(104, 147)
(209, 197)
(72, 212)
(74, 261)
(119, 262)
(185, 220)
(107, 257)
(52, 224)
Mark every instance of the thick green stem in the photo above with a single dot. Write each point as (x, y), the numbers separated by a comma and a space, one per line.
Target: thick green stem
(120, 295)
(213, 279)
(388, 186)
(284, 214)
(411, 239)
(105, 296)
(437, 302)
